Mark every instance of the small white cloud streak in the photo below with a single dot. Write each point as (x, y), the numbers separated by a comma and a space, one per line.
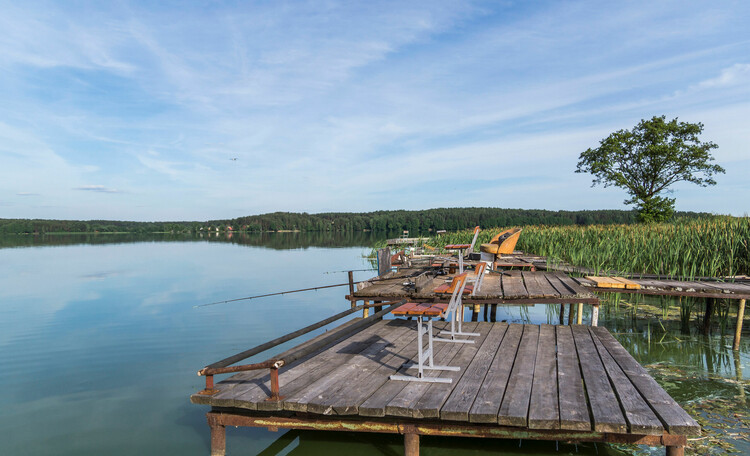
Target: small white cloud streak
(97, 189)
(737, 74)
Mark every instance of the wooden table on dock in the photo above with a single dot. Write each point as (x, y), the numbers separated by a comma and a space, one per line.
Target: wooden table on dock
(508, 288)
(569, 383)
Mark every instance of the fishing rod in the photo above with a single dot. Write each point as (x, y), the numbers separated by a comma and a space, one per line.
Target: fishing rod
(300, 290)
(270, 294)
(351, 270)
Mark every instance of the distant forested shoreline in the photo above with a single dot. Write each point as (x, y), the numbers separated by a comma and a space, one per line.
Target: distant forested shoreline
(416, 222)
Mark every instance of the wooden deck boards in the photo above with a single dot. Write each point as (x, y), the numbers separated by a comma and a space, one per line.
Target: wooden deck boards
(506, 287)
(528, 376)
(732, 290)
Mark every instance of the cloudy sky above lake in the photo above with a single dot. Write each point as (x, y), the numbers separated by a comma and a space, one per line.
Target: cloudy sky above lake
(205, 110)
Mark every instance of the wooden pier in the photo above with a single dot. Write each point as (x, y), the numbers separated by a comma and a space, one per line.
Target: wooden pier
(507, 288)
(564, 383)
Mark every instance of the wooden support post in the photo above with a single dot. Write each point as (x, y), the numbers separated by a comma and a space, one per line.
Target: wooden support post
(351, 288)
(710, 304)
(493, 313)
(570, 314)
(595, 315)
(366, 310)
(675, 451)
(738, 377)
(411, 444)
(562, 314)
(475, 313)
(384, 261)
(218, 440)
(738, 331)
(579, 320)
(485, 313)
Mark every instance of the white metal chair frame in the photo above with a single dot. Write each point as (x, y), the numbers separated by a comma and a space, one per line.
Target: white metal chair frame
(478, 276)
(469, 250)
(453, 313)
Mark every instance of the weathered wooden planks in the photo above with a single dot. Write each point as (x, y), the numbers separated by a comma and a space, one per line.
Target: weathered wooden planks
(544, 411)
(513, 287)
(574, 412)
(614, 282)
(491, 287)
(515, 407)
(461, 399)
(576, 289)
(538, 286)
(404, 403)
(252, 395)
(605, 409)
(317, 396)
(640, 417)
(527, 376)
(431, 402)
(674, 418)
(490, 395)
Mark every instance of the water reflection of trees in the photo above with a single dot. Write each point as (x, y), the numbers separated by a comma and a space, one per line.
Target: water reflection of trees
(276, 241)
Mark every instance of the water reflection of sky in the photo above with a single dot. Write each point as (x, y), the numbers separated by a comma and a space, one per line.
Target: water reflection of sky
(105, 339)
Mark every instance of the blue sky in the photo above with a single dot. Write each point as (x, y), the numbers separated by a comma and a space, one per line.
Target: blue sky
(138, 110)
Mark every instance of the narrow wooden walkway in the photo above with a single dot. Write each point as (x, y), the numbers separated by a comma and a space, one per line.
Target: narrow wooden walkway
(557, 379)
(670, 287)
(511, 287)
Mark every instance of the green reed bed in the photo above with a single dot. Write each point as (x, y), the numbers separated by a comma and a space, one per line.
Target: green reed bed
(713, 247)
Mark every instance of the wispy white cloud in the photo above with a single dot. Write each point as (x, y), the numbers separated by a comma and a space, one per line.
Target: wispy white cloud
(97, 189)
(737, 74)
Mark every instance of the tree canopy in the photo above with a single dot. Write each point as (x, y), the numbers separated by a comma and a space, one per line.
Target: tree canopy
(418, 222)
(648, 159)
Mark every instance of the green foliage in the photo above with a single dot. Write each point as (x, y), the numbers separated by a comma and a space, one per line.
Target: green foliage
(417, 222)
(686, 248)
(648, 160)
(655, 209)
(708, 247)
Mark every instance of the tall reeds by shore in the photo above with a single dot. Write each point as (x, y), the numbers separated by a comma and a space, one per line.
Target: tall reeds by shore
(688, 248)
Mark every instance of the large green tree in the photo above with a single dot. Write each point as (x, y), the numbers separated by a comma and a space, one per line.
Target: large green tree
(648, 159)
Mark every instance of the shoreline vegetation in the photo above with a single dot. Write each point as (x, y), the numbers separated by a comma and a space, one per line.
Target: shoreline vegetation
(686, 247)
(421, 222)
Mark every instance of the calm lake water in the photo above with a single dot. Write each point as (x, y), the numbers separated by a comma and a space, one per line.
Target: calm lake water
(101, 340)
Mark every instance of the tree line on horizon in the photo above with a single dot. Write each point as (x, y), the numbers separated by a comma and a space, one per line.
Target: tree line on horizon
(416, 222)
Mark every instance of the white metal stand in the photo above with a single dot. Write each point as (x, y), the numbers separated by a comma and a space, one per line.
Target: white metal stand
(423, 356)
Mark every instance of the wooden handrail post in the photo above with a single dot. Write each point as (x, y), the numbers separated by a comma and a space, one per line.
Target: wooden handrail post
(351, 289)
(738, 331)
